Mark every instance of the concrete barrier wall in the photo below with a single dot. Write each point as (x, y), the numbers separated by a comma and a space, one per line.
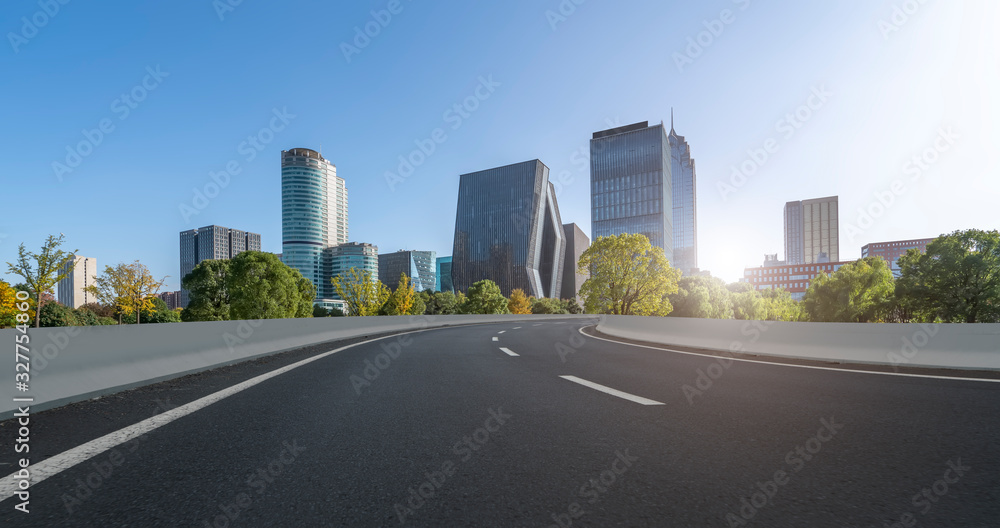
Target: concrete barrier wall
(955, 346)
(77, 363)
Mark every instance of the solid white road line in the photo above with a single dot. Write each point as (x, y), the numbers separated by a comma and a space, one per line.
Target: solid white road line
(495, 338)
(508, 351)
(614, 392)
(663, 349)
(67, 459)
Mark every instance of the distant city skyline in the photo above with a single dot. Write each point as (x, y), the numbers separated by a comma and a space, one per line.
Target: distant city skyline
(162, 136)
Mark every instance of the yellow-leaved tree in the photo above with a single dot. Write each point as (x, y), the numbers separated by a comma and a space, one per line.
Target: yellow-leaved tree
(519, 302)
(363, 295)
(130, 288)
(401, 300)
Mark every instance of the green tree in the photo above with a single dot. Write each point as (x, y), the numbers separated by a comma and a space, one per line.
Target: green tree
(319, 311)
(779, 306)
(748, 305)
(419, 306)
(518, 303)
(572, 306)
(209, 293)
(129, 287)
(307, 294)
(41, 271)
(628, 276)
(957, 279)
(86, 317)
(858, 292)
(442, 303)
(54, 314)
(262, 287)
(156, 313)
(702, 297)
(484, 297)
(363, 295)
(547, 306)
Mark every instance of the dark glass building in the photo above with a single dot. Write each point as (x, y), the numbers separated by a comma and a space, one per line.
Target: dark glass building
(444, 275)
(576, 243)
(685, 203)
(631, 187)
(508, 230)
(419, 266)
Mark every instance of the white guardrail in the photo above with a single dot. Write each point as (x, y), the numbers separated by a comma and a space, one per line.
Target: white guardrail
(73, 364)
(950, 346)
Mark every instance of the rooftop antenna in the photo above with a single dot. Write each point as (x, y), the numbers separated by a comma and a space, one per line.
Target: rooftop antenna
(671, 119)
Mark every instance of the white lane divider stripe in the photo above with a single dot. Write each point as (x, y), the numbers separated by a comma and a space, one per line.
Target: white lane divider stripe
(614, 392)
(67, 459)
(495, 338)
(508, 351)
(502, 331)
(516, 328)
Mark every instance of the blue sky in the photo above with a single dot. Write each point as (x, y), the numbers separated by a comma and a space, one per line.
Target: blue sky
(920, 84)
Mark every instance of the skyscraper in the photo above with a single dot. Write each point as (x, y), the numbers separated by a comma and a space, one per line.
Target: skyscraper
(313, 212)
(419, 266)
(812, 231)
(631, 184)
(212, 243)
(576, 244)
(685, 203)
(508, 230)
(444, 283)
(71, 290)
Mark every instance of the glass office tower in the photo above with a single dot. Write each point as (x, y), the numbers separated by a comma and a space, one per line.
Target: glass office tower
(685, 203)
(444, 275)
(508, 230)
(631, 189)
(419, 266)
(313, 212)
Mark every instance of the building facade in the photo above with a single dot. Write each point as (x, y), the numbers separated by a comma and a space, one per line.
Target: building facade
(313, 212)
(172, 298)
(419, 266)
(212, 243)
(576, 243)
(72, 289)
(337, 260)
(794, 278)
(508, 230)
(444, 283)
(812, 231)
(631, 184)
(891, 251)
(685, 203)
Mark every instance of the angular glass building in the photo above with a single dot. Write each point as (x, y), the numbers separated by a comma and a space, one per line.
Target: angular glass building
(631, 184)
(338, 260)
(508, 230)
(576, 243)
(685, 203)
(419, 266)
(313, 212)
(444, 283)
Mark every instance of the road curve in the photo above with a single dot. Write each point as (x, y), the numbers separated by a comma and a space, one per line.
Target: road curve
(540, 427)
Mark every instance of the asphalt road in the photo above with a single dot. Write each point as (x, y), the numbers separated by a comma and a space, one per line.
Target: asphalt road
(449, 428)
